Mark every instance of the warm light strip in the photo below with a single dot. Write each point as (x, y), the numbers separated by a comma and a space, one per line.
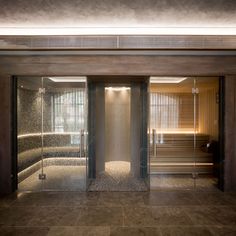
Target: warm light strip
(68, 79)
(48, 133)
(118, 30)
(166, 80)
(174, 132)
(117, 88)
(182, 164)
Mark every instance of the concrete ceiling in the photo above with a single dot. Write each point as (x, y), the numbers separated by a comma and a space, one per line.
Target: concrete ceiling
(122, 13)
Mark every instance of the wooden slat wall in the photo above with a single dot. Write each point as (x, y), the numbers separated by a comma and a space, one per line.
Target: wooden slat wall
(209, 113)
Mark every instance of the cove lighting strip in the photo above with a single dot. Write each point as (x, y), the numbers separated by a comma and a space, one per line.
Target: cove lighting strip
(24, 31)
(48, 133)
(160, 132)
(183, 164)
(167, 80)
(69, 79)
(117, 88)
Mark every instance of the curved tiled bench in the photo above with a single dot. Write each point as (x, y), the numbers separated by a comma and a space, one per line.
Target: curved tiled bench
(28, 158)
(55, 146)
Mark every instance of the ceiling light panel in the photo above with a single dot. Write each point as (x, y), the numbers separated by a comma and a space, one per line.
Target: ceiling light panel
(166, 80)
(117, 30)
(81, 79)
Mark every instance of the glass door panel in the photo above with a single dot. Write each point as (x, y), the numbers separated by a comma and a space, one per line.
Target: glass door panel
(171, 135)
(29, 129)
(207, 133)
(65, 134)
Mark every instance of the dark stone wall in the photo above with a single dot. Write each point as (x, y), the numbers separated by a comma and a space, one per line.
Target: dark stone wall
(5, 135)
(230, 134)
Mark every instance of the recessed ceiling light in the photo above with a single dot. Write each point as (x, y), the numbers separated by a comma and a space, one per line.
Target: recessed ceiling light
(103, 30)
(117, 88)
(77, 79)
(166, 80)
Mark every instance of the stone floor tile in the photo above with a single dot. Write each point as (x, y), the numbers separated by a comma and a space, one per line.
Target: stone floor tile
(100, 216)
(185, 231)
(16, 216)
(231, 197)
(169, 198)
(80, 199)
(212, 215)
(121, 198)
(55, 216)
(154, 216)
(79, 231)
(24, 231)
(135, 231)
(211, 198)
(7, 200)
(223, 230)
(39, 199)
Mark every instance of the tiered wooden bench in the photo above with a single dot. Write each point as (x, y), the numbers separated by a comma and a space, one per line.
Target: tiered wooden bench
(177, 155)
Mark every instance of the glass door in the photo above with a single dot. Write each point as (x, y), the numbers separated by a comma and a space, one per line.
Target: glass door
(29, 133)
(172, 132)
(52, 133)
(206, 138)
(64, 133)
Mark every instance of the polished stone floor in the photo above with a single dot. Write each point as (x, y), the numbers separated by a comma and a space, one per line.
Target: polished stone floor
(119, 213)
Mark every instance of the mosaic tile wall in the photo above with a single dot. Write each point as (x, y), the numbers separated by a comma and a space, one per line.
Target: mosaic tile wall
(29, 111)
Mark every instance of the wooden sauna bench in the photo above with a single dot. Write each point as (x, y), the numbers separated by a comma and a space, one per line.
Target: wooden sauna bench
(175, 154)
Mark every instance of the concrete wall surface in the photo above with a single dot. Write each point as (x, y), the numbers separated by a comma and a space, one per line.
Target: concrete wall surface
(159, 13)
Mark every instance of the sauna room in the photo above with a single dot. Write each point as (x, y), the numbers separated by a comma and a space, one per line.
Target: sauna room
(184, 132)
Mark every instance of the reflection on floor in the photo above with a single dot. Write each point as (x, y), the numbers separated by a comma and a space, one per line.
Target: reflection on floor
(184, 182)
(68, 178)
(117, 177)
(174, 213)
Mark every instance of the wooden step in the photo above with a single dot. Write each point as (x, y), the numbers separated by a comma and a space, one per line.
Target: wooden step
(176, 154)
(180, 160)
(173, 169)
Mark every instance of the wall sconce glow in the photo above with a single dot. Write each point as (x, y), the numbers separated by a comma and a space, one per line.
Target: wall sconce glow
(166, 80)
(117, 88)
(100, 30)
(81, 79)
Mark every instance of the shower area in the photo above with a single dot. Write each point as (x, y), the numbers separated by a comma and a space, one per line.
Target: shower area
(118, 140)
